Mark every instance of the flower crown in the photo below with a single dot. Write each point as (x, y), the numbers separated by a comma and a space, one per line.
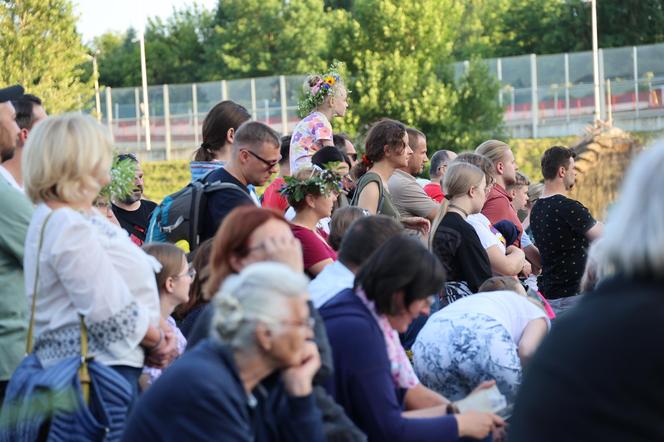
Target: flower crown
(321, 182)
(316, 88)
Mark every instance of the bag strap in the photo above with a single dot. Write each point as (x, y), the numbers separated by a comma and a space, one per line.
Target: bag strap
(83, 373)
(28, 346)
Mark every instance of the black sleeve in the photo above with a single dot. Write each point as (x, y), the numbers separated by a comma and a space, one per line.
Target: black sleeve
(473, 260)
(578, 217)
(320, 337)
(221, 203)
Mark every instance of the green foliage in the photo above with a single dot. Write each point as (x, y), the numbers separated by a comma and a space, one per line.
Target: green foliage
(40, 49)
(122, 180)
(164, 177)
(254, 38)
(394, 50)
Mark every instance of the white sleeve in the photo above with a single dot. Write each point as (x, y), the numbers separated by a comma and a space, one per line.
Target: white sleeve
(113, 316)
(525, 240)
(487, 238)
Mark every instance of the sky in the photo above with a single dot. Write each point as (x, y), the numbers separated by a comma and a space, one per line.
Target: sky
(99, 16)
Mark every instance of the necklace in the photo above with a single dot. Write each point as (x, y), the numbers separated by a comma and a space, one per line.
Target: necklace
(454, 206)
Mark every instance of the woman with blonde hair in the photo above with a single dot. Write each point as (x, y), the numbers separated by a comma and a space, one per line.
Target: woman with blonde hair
(505, 258)
(453, 240)
(89, 276)
(324, 97)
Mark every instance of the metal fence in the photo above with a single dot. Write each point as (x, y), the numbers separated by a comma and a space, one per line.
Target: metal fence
(546, 95)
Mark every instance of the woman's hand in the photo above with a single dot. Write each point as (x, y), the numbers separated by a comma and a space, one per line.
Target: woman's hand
(477, 425)
(298, 379)
(422, 225)
(285, 250)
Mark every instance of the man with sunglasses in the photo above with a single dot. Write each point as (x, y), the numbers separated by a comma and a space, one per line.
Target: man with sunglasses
(255, 157)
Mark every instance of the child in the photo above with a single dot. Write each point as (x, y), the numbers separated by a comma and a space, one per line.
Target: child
(324, 97)
(173, 281)
(519, 194)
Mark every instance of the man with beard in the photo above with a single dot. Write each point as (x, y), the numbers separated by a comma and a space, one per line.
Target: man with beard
(14, 219)
(408, 196)
(498, 205)
(563, 229)
(133, 212)
(29, 111)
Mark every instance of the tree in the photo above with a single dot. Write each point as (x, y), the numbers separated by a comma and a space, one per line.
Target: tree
(397, 52)
(119, 59)
(40, 49)
(255, 38)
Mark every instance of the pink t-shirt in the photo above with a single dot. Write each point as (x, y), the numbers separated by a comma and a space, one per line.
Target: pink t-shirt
(313, 128)
(314, 249)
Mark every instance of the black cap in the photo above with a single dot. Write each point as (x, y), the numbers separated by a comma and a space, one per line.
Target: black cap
(11, 93)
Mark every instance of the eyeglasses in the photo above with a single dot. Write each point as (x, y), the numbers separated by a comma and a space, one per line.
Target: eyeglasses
(191, 272)
(308, 323)
(269, 164)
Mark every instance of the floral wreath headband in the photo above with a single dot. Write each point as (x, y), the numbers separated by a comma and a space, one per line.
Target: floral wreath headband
(321, 181)
(316, 88)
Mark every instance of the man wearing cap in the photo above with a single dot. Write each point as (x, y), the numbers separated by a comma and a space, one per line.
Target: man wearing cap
(14, 219)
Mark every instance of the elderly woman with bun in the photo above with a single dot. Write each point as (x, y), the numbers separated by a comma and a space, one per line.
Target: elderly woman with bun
(261, 328)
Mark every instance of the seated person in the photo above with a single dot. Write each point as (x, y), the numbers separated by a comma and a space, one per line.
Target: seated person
(261, 327)
(373, 375)
(489, 335)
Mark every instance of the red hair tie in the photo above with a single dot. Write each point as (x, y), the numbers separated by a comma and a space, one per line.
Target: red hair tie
(365, 160)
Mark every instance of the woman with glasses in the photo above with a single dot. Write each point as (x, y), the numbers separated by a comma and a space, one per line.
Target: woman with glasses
(453, 240)
(173, 280)
(247, 236)
(261, 334)
(373, 375)
(312, 193)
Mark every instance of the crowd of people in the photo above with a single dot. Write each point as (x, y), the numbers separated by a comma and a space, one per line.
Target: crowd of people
(352, 300)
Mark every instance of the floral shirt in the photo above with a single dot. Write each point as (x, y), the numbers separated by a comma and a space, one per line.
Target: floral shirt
(313, 128)
(402, 371)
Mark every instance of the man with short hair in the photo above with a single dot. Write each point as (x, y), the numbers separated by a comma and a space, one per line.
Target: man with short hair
(255, 156)
(29, 111)
(362, 238)
(563, 229)
(408, 196)
(14, 220)
(342, 142)
(497, 206)
(437, 168)
(133, 212)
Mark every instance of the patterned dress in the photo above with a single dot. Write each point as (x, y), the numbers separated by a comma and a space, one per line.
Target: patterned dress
(306, 139)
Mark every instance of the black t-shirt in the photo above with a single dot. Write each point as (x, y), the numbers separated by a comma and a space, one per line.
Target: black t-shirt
(135, 222)
(222, 202)
(559, 226)
(598, 375)
(460, 251)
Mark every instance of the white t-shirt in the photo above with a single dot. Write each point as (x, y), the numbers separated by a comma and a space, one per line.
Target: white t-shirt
(525, 240)
(333, 279)
(511, 310)
(489, 235)
(10, 179)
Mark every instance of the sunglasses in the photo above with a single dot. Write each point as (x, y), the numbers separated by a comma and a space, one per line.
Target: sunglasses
(269, 164)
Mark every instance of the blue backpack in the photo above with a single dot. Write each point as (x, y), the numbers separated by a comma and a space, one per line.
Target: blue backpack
(179, 217)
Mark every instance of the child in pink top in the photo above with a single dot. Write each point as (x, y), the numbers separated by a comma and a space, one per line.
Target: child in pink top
(324, 97)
